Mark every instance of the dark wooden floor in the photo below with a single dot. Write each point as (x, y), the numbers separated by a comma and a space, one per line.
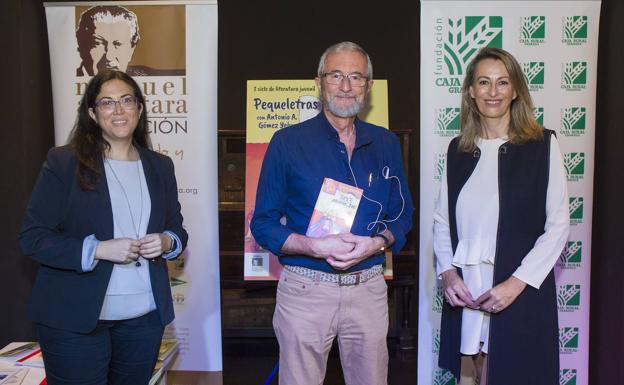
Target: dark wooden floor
(250, 361)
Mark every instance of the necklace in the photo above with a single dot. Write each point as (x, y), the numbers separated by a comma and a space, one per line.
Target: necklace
(123, 190)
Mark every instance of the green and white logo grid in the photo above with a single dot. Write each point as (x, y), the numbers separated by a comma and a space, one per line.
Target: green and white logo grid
(574, 30)
(533, 31)
(575, 165)
(534, 75)
(448, 121)
(556, 43)
(569, 298)
(571, 256)
(573, 121)
(574, 76)
(567, 377)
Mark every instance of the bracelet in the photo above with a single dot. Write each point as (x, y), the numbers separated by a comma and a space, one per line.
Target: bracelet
(173, 245)
(386, 240)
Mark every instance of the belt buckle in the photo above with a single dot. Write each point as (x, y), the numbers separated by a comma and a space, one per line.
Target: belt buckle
(342, 282)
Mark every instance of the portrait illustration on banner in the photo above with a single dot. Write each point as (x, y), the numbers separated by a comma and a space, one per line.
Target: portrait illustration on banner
(130, 40)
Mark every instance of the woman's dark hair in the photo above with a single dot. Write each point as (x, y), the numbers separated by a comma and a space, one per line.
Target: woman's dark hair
(86, 138)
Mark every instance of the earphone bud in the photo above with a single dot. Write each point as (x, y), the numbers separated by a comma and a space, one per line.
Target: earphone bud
(385, 172)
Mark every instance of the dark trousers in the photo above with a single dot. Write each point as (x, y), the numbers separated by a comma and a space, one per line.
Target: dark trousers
(115, 353)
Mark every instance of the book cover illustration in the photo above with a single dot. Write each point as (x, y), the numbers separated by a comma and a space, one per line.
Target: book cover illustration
(335, 209)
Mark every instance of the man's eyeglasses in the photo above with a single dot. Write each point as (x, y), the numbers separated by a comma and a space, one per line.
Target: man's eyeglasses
(336, 77)
(127, 103)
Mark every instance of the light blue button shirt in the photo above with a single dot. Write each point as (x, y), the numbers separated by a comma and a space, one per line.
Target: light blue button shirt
(129, 293)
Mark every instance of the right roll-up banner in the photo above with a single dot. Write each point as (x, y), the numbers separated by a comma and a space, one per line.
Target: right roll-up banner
(556, 43)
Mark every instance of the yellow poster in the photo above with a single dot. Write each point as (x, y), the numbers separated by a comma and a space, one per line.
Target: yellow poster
(275, 104)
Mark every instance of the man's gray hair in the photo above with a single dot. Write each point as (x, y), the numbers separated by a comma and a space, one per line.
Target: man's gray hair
(341, 47)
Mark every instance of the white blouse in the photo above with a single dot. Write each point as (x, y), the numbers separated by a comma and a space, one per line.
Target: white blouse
(477, 222)
(129, 293)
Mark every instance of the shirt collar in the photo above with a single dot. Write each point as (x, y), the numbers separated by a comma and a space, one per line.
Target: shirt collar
(362, 131)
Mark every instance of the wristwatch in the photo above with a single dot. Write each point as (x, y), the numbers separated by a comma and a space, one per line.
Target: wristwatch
(173, 244)
(385, 239)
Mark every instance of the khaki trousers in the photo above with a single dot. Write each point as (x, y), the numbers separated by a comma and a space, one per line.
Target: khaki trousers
(308, 316)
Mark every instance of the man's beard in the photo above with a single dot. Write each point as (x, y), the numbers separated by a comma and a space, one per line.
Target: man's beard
(348, 111)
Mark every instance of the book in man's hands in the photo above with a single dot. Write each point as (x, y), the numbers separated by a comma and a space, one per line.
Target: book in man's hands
(335, 209)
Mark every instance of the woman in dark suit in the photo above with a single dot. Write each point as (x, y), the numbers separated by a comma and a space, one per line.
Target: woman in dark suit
(102, 220)
(501, 222)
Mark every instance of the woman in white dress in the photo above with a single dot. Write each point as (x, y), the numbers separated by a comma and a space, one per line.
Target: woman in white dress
(501, 222)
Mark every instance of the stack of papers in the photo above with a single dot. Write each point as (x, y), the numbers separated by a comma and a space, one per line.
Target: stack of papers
(12, 376)
(17, 350)
(34, 360)
(15, 360)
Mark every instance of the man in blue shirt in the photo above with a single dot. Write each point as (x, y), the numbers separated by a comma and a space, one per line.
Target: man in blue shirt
(333, 286)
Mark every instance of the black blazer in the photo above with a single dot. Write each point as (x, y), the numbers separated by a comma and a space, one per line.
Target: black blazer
(58, 218)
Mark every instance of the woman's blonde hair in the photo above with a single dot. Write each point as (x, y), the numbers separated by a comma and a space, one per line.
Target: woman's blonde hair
(522, 124)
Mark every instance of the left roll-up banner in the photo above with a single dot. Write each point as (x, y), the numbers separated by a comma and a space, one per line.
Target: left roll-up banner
(170, 48)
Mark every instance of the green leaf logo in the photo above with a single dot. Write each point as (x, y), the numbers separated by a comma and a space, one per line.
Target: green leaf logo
(569, 296)
(440, 165)
(466, 35)
(447, 121)
(533, 27)
(575, 27)
(571, 254)
(443, 377)
(568, 338)
(534, 72)
(575, 73)
(573, 120)
(538, 115)
(567, 377)
(575, 165)
(576, 210)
